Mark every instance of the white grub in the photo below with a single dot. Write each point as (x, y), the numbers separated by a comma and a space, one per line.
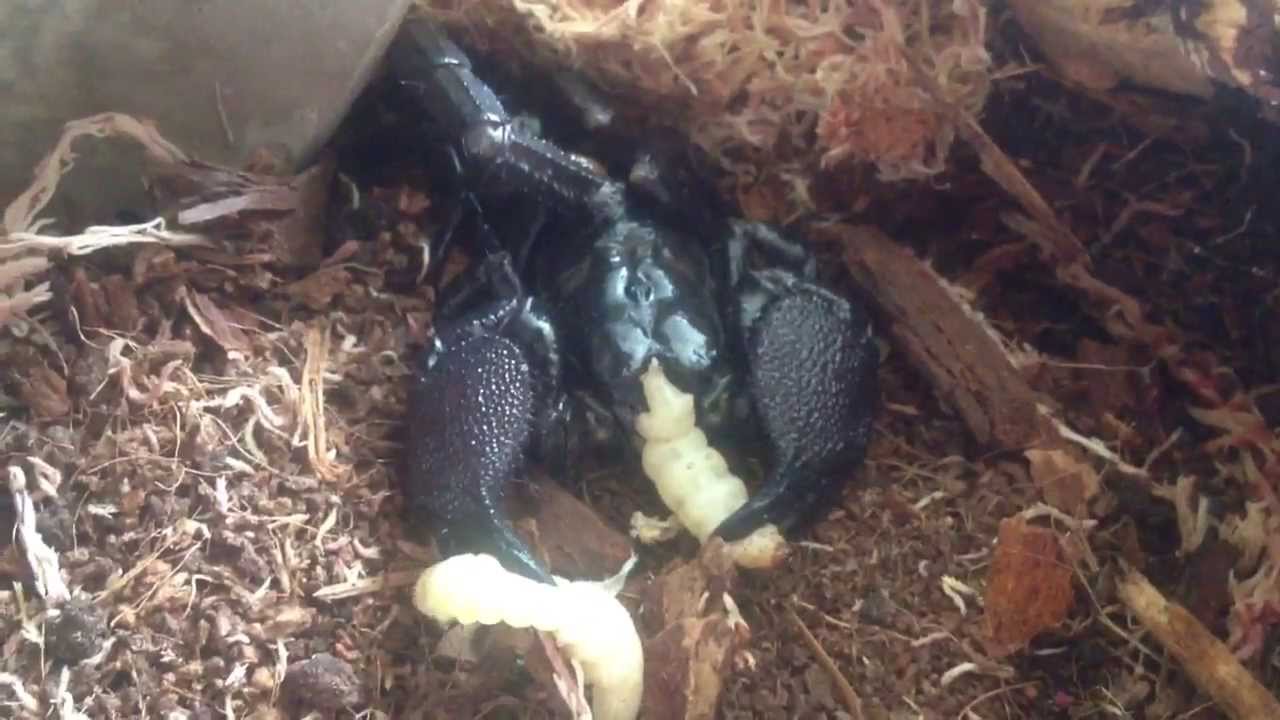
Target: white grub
(585, 617)
(692, 478)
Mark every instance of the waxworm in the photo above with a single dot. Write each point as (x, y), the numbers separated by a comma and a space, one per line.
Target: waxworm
(692, 478)
(588, 622)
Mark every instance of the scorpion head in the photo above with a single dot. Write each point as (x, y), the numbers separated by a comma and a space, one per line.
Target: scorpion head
(643, 292)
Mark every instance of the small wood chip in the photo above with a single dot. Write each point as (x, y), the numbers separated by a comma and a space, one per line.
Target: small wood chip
(1029, 588)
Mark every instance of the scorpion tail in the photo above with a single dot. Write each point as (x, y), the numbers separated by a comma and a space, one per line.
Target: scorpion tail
(491, 147)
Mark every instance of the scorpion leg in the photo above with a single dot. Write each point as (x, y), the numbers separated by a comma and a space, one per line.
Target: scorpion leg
(498, 154)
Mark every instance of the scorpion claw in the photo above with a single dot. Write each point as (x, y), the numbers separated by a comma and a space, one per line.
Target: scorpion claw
(813, 378)
(473, 406)
(789, 500)
(490, 533)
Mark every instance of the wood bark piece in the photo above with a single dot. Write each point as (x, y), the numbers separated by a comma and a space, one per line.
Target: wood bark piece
(685, 668)
(1177, 46)
(1101, 43)
(1060, 249)
(573, 540)
(962, 361)
(694, 634)
(682, 589)
(284, 215)
(1028, 588)
(1207, 661)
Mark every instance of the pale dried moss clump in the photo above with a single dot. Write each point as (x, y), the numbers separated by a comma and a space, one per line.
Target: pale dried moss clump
(26, 247)
(792, 84)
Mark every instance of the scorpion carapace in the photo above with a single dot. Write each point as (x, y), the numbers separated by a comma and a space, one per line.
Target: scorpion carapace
(582, 278)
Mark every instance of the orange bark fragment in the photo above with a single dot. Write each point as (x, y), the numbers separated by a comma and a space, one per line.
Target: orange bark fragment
(1029, 588)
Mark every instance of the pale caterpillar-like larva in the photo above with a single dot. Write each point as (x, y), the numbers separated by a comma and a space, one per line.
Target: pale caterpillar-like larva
(691, 477)
(587, 620)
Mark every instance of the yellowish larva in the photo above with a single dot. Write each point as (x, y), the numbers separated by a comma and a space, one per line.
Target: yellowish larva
(587, 620)
(691, 477)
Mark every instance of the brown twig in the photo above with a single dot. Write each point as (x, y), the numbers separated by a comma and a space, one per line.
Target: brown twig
(1207, 661)
(852, 702)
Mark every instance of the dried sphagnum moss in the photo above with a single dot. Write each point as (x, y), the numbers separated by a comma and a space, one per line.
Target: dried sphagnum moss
(790, 85)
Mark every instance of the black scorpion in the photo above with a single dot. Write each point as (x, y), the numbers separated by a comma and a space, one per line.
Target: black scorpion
(580, 279)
